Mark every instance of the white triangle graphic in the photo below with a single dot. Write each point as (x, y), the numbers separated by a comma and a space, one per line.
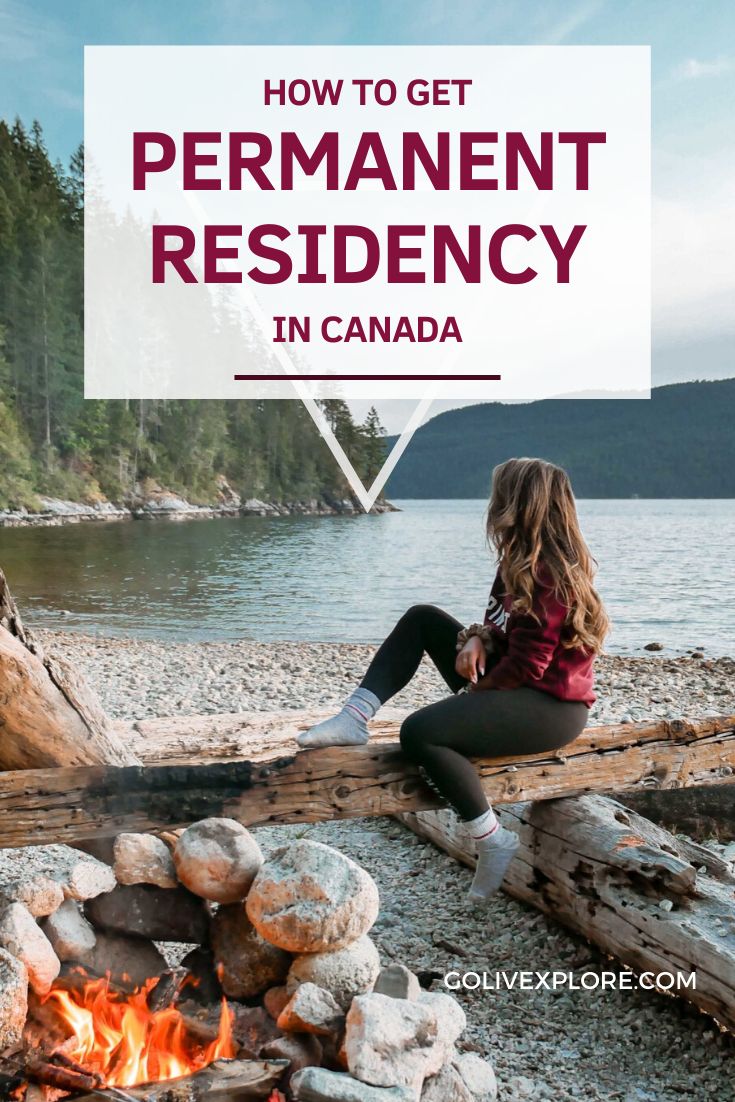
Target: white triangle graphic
(366, 497)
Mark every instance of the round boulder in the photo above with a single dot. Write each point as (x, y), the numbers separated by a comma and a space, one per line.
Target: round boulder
(344, 973)
(478, 1076)
(217, 859)
(143, 859)
(246, 963)
(310, 898)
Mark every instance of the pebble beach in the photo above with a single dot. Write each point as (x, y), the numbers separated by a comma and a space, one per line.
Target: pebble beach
(594, 1046)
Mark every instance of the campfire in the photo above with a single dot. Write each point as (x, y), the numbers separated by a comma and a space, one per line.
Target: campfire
(190, 969)
(89, 1035)
(119, 1040)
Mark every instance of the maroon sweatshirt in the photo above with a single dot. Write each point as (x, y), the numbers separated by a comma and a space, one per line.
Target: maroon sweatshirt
(530, 650)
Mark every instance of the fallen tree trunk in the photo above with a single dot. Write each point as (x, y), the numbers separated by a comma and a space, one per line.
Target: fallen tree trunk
(629, 886)
(246, 767)
(48, 714)
(614, 758)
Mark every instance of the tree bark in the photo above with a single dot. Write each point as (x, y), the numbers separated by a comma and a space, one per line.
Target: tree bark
(625, 757)
(222, 1081)
(48, 714)
(248, 767)
(604, 871)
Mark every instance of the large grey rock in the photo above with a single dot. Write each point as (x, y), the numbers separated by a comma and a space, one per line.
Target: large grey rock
(399, 982)
(311, 1010)
(344, 972)
(390, 1042)
(394, 1042)
(217, 859)
(161, 914)
(13, 999)
(143, 859)
(41, 877)
(320, 1085)
(247, 964)
(129, 960)
(69, 932)
(21, 935)
(309, 898)
(478, 1076)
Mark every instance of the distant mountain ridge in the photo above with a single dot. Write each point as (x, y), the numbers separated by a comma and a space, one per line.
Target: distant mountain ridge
(681, 443)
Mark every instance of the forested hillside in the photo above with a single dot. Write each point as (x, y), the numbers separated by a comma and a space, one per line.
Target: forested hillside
(53, 442)
(679, 444)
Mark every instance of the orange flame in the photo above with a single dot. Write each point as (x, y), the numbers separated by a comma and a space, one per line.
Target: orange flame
(121, 1039)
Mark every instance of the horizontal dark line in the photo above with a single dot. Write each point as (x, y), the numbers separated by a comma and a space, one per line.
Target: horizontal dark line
(367, 378)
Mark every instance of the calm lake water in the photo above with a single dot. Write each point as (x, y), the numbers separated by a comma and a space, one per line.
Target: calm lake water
(666, 572)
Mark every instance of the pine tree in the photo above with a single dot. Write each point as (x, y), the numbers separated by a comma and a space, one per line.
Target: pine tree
(54, 442)
(373, 445)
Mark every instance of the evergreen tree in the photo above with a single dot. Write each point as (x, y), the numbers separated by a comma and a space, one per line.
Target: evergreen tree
(53, 442)
(374, 450)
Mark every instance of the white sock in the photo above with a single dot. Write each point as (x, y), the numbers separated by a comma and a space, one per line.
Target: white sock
(496, 848)
(484, 826)
(349, 727)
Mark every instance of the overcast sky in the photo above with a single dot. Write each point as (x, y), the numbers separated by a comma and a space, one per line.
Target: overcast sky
(693, 54)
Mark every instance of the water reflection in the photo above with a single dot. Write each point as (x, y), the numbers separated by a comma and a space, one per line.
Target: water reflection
(665, 569)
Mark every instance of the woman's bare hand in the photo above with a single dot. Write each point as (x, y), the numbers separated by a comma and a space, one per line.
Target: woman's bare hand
(470, 662)
(482, 685)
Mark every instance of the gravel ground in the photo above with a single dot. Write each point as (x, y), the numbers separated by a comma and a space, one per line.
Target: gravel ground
(631, 1046)
(184, 679)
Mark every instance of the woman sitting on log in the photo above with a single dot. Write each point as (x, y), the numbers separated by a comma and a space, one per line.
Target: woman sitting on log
(522, 679)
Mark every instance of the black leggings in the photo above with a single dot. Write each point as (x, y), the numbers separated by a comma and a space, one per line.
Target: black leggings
(487, 724)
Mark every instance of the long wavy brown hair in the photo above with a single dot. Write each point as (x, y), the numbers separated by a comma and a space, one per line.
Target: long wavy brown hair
(532, 521)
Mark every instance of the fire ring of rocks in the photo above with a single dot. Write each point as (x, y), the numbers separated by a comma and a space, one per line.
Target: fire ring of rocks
(282, 996)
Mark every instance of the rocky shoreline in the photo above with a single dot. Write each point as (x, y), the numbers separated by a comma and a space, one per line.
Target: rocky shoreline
(551, 1045)
(198, 678)
(629, 1046)
(166, 505)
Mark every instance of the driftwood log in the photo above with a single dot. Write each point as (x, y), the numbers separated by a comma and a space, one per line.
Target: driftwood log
(604, 872)
(222, 1081)
(48, 714)
(245, 767)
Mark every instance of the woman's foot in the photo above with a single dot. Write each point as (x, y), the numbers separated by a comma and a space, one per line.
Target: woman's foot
(348, 728)
(494, 855)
